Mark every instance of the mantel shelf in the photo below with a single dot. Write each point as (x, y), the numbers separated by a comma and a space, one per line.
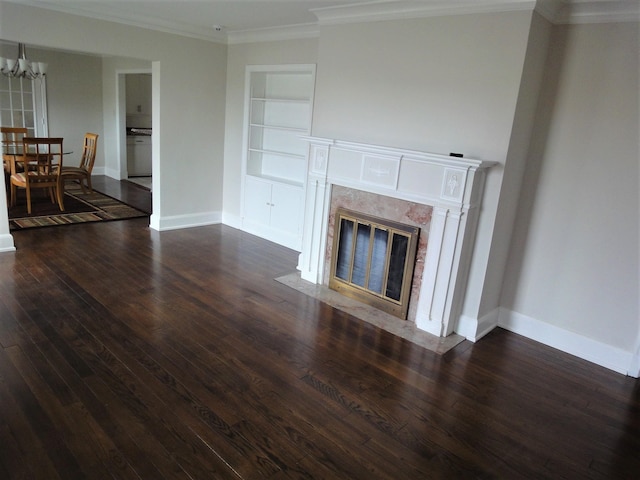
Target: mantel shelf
(280, 154)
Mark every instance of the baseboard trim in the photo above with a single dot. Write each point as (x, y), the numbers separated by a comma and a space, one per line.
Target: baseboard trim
(634, 364)
(234, 221)
(286, 239)
(177, 222)
(109, 172)
(6, 243)
(586, 348)
(474, 329)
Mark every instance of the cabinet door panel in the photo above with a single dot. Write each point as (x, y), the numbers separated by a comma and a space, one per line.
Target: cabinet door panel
(286, 213)
(257, 201)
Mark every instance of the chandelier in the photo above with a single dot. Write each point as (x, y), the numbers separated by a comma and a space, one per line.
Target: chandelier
(21, 67)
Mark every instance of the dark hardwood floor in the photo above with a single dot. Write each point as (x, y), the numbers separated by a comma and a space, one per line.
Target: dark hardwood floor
(128, 192)
(128, 353)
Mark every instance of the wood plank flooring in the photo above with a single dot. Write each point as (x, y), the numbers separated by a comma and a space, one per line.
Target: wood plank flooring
(132, 354)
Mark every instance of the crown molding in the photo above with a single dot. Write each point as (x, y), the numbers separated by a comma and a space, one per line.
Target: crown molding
(139, 21)
(601, 11)
(392, 10)
(275, 34)
(555, 11)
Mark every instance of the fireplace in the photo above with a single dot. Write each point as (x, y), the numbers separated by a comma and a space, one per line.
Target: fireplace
(373, 260)
(386, 182)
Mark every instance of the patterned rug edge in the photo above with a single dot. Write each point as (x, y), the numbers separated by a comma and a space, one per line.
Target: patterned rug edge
(105, 209)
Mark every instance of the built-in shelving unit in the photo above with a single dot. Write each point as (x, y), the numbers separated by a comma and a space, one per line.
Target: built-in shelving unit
(279, 101)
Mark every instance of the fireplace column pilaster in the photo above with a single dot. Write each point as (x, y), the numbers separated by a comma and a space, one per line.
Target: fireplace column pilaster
(436, 301)
(318, 192)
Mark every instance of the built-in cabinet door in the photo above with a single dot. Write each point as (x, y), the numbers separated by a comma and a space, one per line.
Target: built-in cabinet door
(274, 210)
(257, 201)
(286, 208)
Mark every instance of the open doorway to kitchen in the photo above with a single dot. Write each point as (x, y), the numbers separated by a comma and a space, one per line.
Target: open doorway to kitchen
(138, 126)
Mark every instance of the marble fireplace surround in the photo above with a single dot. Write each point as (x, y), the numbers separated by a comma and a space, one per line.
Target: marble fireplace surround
(451, 186)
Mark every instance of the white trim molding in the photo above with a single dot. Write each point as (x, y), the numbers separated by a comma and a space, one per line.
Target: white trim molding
(634, 364)
(6, 243)
(451, 185)
(176, 222)
(392, 10)
(6, 239)
(474, 329)
(600, 353)
(556, 11)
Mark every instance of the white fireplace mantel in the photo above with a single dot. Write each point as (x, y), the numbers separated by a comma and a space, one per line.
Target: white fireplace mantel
(453, 186)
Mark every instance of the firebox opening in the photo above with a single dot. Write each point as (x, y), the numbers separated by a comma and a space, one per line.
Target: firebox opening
(373, 260)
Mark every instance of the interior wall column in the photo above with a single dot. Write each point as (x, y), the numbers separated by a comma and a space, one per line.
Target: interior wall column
(6, 239)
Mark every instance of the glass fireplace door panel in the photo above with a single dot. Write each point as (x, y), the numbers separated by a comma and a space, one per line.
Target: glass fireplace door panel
(397, 262)
(378, 261)
(361, 256)
(343, 262)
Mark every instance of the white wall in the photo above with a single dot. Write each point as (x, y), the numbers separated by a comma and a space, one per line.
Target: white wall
(445, 84)
(517, 156)
(574, 257)
(74, 98)
(239, 56)
(189, 114)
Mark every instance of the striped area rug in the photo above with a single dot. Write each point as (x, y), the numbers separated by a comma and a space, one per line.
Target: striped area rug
(79, 208)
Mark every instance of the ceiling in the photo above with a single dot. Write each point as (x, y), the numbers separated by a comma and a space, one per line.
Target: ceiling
(246, 20)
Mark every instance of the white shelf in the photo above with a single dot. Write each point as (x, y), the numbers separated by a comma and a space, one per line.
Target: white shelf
(277, 153)
(278, 127)
(272, 179)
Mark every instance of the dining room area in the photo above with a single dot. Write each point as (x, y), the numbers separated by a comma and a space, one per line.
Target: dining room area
(45, 190)
(52, 142)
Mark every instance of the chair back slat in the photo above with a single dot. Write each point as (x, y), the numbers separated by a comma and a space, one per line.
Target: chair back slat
(89, 152)
(82, 173)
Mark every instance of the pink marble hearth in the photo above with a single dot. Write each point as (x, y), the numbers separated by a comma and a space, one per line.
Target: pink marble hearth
(388, 208)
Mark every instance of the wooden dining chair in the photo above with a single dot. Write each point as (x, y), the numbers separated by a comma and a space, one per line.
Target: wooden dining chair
(11, 145)
(41, 162)
(83, 171)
